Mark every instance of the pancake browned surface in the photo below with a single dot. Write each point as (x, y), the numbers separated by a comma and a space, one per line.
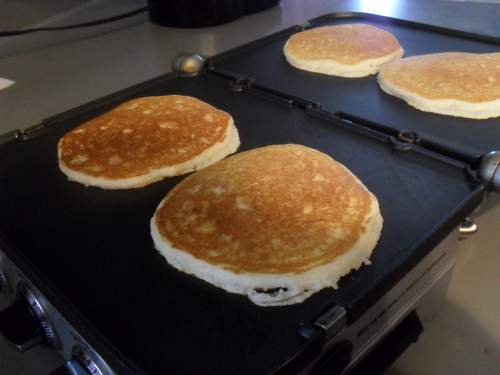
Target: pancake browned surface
(145, 140)
(351, 50)
(450, 83)
(276, 223)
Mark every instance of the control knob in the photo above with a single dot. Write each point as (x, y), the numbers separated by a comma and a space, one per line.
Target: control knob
(20, 326)
(24, 324)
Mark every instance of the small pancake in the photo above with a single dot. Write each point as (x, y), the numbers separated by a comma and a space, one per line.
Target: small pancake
(451, 83)
(351, 50)
(276, 223)
(145, 140)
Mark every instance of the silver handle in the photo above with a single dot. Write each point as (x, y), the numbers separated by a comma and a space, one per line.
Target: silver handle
(489, 170)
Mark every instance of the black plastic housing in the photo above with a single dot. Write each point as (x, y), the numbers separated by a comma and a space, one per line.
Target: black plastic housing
(203, 13)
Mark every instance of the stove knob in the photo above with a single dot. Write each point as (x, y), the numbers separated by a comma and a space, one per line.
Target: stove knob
(20, 325)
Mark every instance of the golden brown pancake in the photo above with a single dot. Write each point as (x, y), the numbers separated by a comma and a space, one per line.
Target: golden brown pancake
(452, 83)
(350, 50)
(145, 140)
(283, 216)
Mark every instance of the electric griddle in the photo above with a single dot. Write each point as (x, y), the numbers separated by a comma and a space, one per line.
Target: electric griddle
(89, 251)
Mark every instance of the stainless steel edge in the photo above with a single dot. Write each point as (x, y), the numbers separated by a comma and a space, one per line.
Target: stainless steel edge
(66, 340)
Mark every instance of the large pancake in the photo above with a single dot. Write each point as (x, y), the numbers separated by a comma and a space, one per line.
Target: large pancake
(145, 140)
(351, 50)
(450, 83)
(276, 223)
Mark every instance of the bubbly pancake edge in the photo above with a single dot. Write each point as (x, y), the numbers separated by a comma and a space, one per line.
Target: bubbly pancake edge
(216, 152)
(293, 287)
(358, 66)
(299, 286)
(183, 133)
(333, 68)
(477, 109)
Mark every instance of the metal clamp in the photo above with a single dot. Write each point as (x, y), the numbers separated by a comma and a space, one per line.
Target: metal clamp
(404, 140)
(332, 320)
(408, 137)
(240, 84)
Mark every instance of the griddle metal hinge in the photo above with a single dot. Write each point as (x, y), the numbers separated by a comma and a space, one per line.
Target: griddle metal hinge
(330, 323)
(10, 136)
(240, 84)
(405, 140)
(33, 131)
(23, 135)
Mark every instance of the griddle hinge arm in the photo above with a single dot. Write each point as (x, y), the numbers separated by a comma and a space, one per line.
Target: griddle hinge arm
(22, 135)
(316, 335)
(33, 131)
(332, 321)
(13, 135)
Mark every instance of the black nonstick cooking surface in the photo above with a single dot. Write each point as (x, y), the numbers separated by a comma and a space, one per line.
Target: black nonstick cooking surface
(264, 62)
(93, 247)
